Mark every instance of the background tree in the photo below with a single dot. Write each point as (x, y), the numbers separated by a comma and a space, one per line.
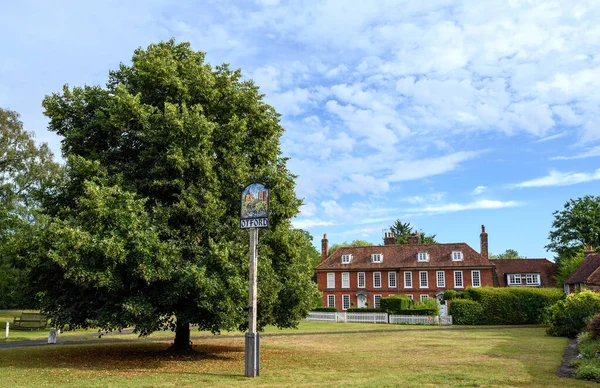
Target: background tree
(26, 170)
(403, 229)
(354, 243)
(507, 254)
(144, 231)
(574, 229)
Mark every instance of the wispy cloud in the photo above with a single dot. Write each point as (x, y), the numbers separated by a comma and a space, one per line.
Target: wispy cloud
(557, 178)
(310, 223)
(457, 207)
(479, 190)
(587, 154)
(552, 137)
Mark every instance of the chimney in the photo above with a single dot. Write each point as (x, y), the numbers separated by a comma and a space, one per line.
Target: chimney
(590, 251)
(324, 247)
(414, 239)
(389, 238)
(483, 238)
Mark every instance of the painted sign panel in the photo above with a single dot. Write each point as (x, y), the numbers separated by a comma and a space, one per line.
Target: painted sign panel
(255, 206)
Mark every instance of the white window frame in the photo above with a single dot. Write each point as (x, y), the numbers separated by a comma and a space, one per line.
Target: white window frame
(347, 258)
(478, 272)
(330, 279)
(512, 279)
(536, 276)
(440, 281)
(377, 257)
(331, 300)
(375, 275)
(422, 257)
(377, 304)
(362, 284)
(345, 279)
(392, 279)
(462, 279)
(457, 256)
(422, 297)
(421, 279)
(408, 279)
(345, 298)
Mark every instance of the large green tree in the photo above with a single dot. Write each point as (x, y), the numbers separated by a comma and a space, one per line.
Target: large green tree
(511, 254)
(403, 229)
(575, 228)
(26, 171)
(144, 231)
(345, 244)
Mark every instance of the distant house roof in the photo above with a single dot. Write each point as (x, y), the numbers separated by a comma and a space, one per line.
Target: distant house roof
(586, 273)
(404, 256)
(544, 267)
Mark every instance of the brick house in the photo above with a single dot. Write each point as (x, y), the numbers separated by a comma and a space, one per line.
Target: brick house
(525, 272)
(360, 276)
(587, 276)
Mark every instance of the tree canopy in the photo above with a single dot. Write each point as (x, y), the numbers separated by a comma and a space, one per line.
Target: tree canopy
(26, 172)
(507, 254)
(403, 229)
(576, 227)
(345, 244)
(144, 231)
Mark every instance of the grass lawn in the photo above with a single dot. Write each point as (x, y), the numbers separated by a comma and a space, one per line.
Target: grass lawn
(409, 358)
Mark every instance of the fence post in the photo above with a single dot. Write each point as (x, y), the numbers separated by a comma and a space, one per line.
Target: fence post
(7, 325)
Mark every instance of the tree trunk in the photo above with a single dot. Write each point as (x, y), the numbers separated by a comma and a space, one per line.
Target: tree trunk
(182, 342)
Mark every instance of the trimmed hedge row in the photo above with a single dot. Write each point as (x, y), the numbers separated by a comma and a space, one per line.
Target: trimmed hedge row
(393, 304)
(504, 306)
(325, 309)
(466, 312)
(364, 310)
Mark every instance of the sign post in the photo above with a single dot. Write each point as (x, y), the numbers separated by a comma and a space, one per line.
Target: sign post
(255, 214)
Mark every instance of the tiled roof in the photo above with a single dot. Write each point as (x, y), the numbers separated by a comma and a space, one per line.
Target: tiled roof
(405, 256)
(544, 267)
(585, 270)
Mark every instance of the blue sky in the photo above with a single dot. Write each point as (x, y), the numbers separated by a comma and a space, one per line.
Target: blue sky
(446, 114)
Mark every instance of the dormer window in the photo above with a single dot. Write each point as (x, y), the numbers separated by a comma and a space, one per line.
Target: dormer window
(346, 259)
(457, 256)
(377, 257)
(422, 257)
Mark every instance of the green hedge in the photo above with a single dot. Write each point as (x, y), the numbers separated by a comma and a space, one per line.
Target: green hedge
(423, 311)
(395, 303)
(365, 310)
(568, 317)
(514, 306)
(466, 312)
(325, 309)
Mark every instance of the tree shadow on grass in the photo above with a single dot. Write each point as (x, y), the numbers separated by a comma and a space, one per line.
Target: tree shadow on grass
(127, 358)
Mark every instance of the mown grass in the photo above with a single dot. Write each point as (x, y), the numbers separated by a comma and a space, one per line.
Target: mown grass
(409, 358)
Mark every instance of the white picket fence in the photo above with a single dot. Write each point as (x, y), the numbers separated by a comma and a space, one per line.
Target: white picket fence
(378, 318)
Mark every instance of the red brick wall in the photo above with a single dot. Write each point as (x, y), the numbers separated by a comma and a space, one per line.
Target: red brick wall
(416, 291)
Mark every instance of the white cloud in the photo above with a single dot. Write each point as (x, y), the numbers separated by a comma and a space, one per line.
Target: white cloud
(405, 171)
(557, 178)
(456, 207)
(592, 152)
(309, 223)
(551, 137)
(479, 189)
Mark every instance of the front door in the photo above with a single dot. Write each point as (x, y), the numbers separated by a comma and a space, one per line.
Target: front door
(362, 301)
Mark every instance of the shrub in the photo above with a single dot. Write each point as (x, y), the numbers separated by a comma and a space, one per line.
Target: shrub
(568, 317)
(466, 312)
(325, 309)
(451, 294)
(428, 306)
(365, 310)
(588, 371)
(594, 327)
(394, 304)
(514, 306)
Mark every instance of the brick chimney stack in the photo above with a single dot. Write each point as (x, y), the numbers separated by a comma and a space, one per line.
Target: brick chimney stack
(483, 237)
(389, 238)
(324, 247)
(590, 251)
(414, 239)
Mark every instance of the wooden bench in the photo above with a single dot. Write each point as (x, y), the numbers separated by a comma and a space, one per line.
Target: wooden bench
(30, 321)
